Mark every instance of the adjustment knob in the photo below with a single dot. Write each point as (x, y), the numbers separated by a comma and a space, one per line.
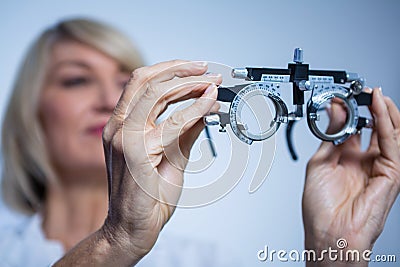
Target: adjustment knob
(298, 55)
(240, 73)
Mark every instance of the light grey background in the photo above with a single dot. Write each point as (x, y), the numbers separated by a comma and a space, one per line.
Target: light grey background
(359, 36)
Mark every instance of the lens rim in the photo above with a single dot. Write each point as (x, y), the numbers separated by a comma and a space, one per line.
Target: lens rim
(268, 90)
(319, 98)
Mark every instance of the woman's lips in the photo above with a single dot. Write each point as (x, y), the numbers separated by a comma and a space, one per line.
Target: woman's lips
(96, 130)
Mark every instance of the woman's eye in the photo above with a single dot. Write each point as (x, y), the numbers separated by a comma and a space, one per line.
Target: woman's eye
(123, 83)
(123, 80)
(75, 82)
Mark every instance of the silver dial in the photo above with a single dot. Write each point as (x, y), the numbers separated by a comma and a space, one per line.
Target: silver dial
(324, 95)
(254, 99)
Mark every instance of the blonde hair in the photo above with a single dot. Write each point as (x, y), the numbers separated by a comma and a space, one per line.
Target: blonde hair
(26, 166)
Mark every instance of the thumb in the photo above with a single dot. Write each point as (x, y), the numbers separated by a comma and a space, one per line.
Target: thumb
(337, 116)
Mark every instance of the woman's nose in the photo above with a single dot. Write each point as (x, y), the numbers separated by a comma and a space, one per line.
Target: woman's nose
(109, 94)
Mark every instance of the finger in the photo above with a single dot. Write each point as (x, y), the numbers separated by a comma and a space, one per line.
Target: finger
(379, 206)
(138, 77)
(337, 118)
(353, 143)
(187, 139)
(327, 153)
(373, 143)
(136, 85)
(387, 183)
(384, 126)
(172, 87)
(180, 69)
(177, 153)
(181, 121)
(215, 107)
(393, 112)
(192, 95)
(395, 118)
(155, 100)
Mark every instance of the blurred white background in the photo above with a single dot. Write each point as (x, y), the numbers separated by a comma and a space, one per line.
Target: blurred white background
(358, 36)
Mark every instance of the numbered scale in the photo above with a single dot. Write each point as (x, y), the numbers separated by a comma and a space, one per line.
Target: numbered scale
(265, 84)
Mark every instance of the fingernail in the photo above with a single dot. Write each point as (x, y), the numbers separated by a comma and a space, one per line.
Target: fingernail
(380, 91)
(367, 90)
(200, 64)
(211, 74)
(210, 88)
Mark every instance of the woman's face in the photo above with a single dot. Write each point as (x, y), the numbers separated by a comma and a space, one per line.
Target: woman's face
(82, 88)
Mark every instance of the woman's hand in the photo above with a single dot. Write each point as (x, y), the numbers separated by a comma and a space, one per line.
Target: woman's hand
(348, 193)
(145, 161)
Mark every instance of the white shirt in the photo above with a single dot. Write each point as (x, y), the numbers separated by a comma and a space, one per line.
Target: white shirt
(22, 243)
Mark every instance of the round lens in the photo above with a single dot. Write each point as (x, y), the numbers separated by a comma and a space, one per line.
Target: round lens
(256, 115)
(332, 116)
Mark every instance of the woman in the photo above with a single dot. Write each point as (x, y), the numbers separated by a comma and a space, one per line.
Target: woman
(69, 89)
(54, 166)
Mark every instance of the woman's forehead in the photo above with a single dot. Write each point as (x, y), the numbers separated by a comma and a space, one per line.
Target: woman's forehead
(74, 53)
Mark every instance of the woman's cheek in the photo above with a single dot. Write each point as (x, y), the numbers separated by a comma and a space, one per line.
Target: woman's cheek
(60, 118)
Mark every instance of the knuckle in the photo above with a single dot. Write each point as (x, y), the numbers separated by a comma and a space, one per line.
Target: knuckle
(112, 139)
(116, 143)
(389, 101)
(216, 106)
(314, 161)
(310, 164)
(186, 126)
(177, 61)
(177, 65)
(112, 135)
(150, 92)
(197, 111)
(108, 131)
(176, 119)
(155, 134)
(138, 74)
(199, 108)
